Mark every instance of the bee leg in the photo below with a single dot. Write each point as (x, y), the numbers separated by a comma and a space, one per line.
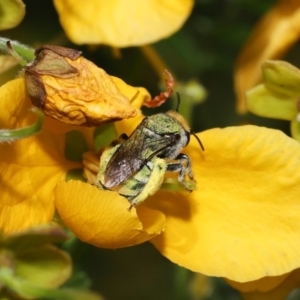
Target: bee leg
(183, 166)
(121, 139)
(131, 206)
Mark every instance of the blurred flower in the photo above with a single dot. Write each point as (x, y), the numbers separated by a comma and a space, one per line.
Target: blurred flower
(32, 268)
(279, 95)
(23, 257)
(200, 286)
(273, 35)
(121, 23)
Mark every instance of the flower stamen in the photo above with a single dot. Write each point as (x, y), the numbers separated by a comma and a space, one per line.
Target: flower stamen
(90, 162)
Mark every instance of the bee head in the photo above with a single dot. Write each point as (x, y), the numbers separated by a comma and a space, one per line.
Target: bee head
(175, 114)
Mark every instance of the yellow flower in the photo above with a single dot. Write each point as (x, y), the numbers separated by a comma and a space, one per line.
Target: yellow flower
(248, 187)
(121, 23)
(31, 167)
(241, 223)
(273, 35)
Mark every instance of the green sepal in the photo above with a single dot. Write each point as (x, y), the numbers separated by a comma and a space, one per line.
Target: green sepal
(75, 174)
(11, 135)
(281, 77)
(75, 145)
(295, 129)
(104, 135)
(78, 280)
(266, 103)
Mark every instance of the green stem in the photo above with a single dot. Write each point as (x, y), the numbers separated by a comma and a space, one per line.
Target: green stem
(181, 283)
(11, 135)
(26, 53)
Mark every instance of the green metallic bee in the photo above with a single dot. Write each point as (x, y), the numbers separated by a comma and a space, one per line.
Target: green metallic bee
(136, 167)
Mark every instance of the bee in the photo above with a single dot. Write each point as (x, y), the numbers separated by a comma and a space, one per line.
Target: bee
(135, 166)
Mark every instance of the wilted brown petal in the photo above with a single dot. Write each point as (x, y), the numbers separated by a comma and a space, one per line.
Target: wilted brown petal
(73, 90)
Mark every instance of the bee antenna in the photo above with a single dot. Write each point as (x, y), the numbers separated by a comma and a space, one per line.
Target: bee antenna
(178, 101)
(193, 133)
(199, 141)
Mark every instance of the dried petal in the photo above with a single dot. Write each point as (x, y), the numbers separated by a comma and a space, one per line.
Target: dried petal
(73, 90)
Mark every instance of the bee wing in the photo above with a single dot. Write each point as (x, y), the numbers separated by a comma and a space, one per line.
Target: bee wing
(125, 162)
(133, 154)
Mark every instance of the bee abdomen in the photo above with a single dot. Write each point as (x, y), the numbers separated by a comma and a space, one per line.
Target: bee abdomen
(135, 185)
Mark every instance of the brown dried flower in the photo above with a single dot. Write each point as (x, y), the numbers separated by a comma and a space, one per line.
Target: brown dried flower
(72, 89)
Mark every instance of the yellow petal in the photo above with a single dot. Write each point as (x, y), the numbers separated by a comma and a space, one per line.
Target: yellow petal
(121, 23)
(30, 168)
(12, 13)
(102, 218)
(128, 126)
(257, 290)
(137, 99)
(136, 95)
(242, 222)
(271, 38)
(264, 284)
